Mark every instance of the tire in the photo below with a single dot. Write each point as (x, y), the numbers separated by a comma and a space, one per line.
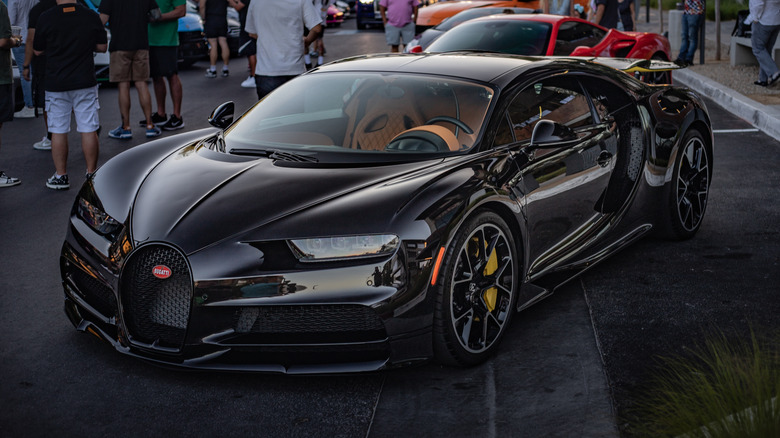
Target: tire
(689, 189)
(477, 294)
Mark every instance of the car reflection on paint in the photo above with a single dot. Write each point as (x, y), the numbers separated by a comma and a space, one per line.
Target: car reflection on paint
(381, 211)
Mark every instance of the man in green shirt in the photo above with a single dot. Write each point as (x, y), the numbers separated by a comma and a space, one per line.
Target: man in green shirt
(163, 62)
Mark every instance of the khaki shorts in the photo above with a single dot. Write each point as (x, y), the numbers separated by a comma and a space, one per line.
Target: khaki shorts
(128, 66)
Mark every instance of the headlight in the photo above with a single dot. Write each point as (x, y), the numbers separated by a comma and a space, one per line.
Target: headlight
(323, 249)
(96, 218)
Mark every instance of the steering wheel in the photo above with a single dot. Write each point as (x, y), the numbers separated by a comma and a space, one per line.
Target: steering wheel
(457, 122)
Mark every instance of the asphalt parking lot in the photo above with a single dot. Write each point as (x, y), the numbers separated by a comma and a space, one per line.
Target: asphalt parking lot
(571, 365)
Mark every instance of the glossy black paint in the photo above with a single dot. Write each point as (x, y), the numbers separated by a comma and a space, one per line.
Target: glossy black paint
(231, 223)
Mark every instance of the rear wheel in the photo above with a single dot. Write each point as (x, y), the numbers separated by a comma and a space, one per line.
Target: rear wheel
(476, 299)
(689, 190)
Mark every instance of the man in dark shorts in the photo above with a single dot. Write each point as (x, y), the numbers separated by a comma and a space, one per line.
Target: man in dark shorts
(129, 53)
(163, 63)
(7, 42)
(247, 45)
(34, 69)
(69, 33)
(214, 15)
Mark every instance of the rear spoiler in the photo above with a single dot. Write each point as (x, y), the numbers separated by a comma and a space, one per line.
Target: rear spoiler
(629, 65)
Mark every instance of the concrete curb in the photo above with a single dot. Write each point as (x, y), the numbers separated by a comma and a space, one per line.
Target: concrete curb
(763, 117)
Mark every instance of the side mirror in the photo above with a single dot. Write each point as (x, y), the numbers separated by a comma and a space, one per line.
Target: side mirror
(547, 131)
(222, 116)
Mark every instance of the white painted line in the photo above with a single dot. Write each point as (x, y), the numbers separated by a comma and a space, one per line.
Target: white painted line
(733, 131)
(342, 32)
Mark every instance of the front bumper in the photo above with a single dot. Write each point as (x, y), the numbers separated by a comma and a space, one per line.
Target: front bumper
(339, 320)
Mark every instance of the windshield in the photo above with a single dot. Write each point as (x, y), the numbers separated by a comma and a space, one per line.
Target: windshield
(365, 113)
(518, 37)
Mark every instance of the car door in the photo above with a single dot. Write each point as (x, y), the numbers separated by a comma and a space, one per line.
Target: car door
(560, 182)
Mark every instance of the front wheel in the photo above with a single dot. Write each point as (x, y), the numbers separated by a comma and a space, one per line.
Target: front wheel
(476, 297)
(689, 190)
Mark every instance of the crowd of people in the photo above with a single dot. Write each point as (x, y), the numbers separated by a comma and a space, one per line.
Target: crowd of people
(54, 42)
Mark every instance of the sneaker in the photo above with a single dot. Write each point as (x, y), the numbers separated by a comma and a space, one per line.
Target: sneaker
(773, 79)
(121, 133)
(153, 132)
(25, 113)
(157, 119)
(7, 181)
(173, 123)
(43, 145)
(225, 72)
(211, 73)
(308, 66)
(249, 82)
(58, 182)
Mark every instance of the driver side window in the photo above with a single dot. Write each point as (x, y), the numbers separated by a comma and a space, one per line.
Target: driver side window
(557, 99)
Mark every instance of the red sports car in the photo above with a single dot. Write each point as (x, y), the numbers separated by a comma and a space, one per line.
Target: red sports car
(551, 35)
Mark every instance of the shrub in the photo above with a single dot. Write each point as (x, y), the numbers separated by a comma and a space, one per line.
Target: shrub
(725, 389)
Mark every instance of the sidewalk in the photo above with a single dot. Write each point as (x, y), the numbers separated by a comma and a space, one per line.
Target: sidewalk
(730, 87)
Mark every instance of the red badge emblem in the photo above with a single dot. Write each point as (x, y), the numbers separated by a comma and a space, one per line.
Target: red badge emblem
(161, 272)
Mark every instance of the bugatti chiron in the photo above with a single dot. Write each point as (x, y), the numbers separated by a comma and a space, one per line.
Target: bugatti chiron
(380, 211)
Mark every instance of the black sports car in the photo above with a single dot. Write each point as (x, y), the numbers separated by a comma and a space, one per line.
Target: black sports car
(380, 211)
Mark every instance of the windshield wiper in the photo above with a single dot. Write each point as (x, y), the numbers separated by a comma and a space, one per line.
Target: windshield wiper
(275, 155)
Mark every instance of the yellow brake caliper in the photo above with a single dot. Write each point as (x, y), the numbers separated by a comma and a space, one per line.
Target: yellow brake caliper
(490, 295)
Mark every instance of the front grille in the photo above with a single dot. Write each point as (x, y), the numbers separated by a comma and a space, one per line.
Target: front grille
(94, 292)
(155, 310)
(308, 324)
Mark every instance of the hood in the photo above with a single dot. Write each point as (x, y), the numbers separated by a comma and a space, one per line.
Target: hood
(196, 196)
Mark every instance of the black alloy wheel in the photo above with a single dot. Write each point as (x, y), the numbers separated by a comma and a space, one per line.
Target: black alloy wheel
(691, 182)
(476, 299)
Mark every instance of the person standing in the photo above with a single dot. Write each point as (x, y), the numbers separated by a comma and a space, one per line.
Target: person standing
(764, 19)
(164, 63)
(693, 14)
(19, 11)
(399, 18)
(69, 34)
(247, 46)
(7, 42)
(607, 14)
(626, 9)
(129, 57)
(214, 15)
(34, 69)
(278, 29)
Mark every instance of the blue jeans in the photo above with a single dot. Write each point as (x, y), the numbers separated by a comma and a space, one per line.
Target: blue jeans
(763, 40)
(26, 87)
(690, 36)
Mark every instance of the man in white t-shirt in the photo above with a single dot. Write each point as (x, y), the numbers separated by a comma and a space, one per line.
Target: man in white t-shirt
(278, 27)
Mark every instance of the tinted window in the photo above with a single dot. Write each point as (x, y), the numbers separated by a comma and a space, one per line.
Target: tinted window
(496, 35)
(560, 100)
(572, 34)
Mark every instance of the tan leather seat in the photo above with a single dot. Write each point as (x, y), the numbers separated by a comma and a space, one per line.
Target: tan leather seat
(392, 111)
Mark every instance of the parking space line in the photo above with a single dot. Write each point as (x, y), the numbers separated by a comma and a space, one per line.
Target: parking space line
(734, 131)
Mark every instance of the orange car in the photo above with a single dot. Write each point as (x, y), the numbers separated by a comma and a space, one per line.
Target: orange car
(434, 14)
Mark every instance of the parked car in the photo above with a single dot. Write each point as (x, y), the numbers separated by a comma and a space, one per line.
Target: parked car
(367, 14)
(434, 14)
(552, 35)
(380, 211)
(428, 36)
(335, 16)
